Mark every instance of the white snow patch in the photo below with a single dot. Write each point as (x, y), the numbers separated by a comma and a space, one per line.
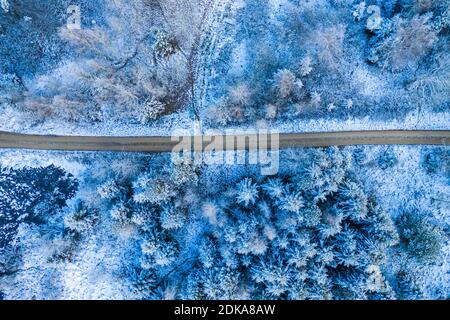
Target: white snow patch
(19, 159)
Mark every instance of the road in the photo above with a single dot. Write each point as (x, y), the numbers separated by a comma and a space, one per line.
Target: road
(165, 144)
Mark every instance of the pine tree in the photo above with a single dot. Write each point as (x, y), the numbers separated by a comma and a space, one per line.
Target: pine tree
(408, 286)
(184, 170)
(285, 83)
(222, 283)
(207, 253)
(247, 192)
(172, 218)
(121, 213)
(108, 190)
(274, 187)
(346, 245)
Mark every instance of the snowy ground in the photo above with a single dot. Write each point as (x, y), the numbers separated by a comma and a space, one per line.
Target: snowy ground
(183, 121)
(219, 33)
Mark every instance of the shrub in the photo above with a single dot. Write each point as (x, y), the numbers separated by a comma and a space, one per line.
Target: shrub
(433, 85)
(421, 239)
(387, 159)
(240, 95)
(408, 42)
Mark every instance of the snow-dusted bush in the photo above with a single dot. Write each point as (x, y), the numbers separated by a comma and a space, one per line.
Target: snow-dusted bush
(165, 46)
(172, 218)
(153, 189)
(408, 41)
(306, 66)
(149, 110)
(284, 82)
(108, 190)
(422, 240)
(220, 113)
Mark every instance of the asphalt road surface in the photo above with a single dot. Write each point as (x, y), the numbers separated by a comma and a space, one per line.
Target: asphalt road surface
(234, 142)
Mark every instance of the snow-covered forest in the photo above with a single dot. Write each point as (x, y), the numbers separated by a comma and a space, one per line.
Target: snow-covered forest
(360, 222)
(350, 223)
(149, 66)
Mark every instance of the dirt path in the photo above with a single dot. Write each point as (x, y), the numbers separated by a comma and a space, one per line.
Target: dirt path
(165, 144)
